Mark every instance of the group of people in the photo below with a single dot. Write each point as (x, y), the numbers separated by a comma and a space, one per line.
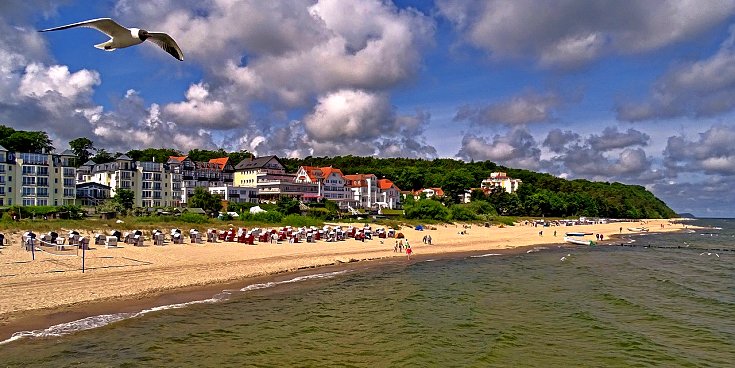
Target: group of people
(599, 237)
(427, 239)
(398, 248)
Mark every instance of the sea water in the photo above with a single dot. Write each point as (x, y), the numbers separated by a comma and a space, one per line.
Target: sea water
(600, 306)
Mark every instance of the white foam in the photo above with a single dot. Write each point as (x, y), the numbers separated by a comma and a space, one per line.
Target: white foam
(266, 285)
(486, 255)
(89, 323)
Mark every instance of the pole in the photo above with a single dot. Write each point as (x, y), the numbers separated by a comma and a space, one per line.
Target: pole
(84, 252)
(33, 249)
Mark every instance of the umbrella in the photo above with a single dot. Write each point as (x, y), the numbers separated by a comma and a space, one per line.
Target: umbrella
(400, 236)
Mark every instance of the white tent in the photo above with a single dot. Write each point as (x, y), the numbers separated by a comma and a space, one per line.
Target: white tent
(256, 209)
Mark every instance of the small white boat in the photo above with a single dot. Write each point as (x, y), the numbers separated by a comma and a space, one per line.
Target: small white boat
(577, 234)
(638, 229)
(578, 241)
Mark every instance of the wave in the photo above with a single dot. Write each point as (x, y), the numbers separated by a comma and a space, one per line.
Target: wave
(101, 320)
(486, 255)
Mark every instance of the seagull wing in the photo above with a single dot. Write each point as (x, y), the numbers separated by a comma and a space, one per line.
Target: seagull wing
(167, 43)
(104, 25)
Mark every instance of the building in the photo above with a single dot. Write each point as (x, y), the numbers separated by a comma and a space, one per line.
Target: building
(364, 189)
(152, 183)
(269, 176)
(389, 195)
(37, 179)
(92, 194)
(235, 194)
(329, 184)
(428, 193)
(502, 181)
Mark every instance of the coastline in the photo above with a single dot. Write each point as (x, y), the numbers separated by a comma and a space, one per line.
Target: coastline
(39, 297)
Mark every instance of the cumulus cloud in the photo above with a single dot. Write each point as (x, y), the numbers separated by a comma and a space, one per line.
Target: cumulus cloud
(528, 107)
(611, 139)
(558, 140)
(200, 109)
(517, 148)
(699, 89)
(712, 153)
(568, 34)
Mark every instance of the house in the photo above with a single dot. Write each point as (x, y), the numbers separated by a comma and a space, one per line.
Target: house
(92, 194)
(37, 179)
(250, 170)
(364, 189)
(329, 183)
(502, 181)
(428, 193)
(389, 195)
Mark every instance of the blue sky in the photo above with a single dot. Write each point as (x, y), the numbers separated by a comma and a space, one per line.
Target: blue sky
(637, 92)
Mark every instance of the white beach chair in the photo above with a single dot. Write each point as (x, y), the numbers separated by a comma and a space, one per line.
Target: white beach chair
(111, 241)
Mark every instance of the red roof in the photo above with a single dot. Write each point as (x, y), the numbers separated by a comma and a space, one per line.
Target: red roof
(221, 162)
(439, 192)
(326, 171)
(359, 180)
(385, 184)
(177, 158)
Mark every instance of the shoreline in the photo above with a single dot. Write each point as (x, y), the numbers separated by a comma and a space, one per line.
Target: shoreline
(183, 276)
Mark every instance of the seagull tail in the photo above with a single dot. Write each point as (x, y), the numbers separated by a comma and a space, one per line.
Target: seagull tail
(104, 46)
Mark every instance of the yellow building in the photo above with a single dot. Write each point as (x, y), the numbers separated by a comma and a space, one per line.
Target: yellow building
(37, 179)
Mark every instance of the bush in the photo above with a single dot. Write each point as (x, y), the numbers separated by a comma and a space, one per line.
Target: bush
(320, 213)
(505, 220)
(299, 221)
(193, 218)
(272, 217)
(462, 213)
(483, 208)
(427, 209)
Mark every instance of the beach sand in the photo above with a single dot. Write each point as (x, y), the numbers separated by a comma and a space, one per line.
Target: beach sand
(53, 285)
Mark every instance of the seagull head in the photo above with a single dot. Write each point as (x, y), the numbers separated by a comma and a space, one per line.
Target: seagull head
(143, 34)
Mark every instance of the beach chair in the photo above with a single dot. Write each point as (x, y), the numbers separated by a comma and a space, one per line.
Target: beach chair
(222, 235)
(84, 243)
(211, 236)
(177, 238)
(138, 240)
(111, 241)
(159, 238)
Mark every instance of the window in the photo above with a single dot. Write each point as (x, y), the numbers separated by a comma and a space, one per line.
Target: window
(29, 180)
(29, 191)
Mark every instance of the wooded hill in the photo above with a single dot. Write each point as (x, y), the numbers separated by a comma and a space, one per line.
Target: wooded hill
(539, 195)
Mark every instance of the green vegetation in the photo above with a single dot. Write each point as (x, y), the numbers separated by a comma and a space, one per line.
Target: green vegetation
(539, 195)
(25, 141)
(202, 198)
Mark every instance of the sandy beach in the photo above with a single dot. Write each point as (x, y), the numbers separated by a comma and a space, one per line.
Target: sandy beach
(55, 284)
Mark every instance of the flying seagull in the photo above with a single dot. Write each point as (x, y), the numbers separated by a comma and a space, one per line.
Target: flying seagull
(121, 37)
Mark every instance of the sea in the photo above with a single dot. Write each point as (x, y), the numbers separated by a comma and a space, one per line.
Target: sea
(663, 300)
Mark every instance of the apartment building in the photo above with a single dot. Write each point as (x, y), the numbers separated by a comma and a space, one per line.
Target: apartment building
(364, 189)
(37, 179)
(389, 194)
(330, 184)
(502, 181)
(152, 183)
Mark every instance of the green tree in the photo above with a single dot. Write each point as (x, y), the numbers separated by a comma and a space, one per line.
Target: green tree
(206, 155)
(236, 157)
(125, 198)
(102, 157)
(426, 209)
(25, 141)
(288, 206)
(202, 198)
(82, 148)
(153, 154)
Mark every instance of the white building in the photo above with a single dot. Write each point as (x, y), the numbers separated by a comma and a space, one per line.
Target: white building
(364, 189)
(330, 182)
(37, 179)
(501, 180)
(235, 194)
(389, 194)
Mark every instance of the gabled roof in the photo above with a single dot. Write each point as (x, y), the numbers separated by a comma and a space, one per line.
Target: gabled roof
(385, 184)
(314, 172)
(92, 184)
(124, 157)
(67, 152)
(3, 148)
(177, 158)
(89, 163)
(256, 163)
(221, 162)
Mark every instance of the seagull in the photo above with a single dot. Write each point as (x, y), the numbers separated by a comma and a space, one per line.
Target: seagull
(121, 37)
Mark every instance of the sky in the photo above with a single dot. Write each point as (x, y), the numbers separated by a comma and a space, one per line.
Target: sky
(639, 92)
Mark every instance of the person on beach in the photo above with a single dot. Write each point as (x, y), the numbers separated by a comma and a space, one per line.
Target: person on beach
(408, 251)
(395, 248)
(428, 239)
(554, 232)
